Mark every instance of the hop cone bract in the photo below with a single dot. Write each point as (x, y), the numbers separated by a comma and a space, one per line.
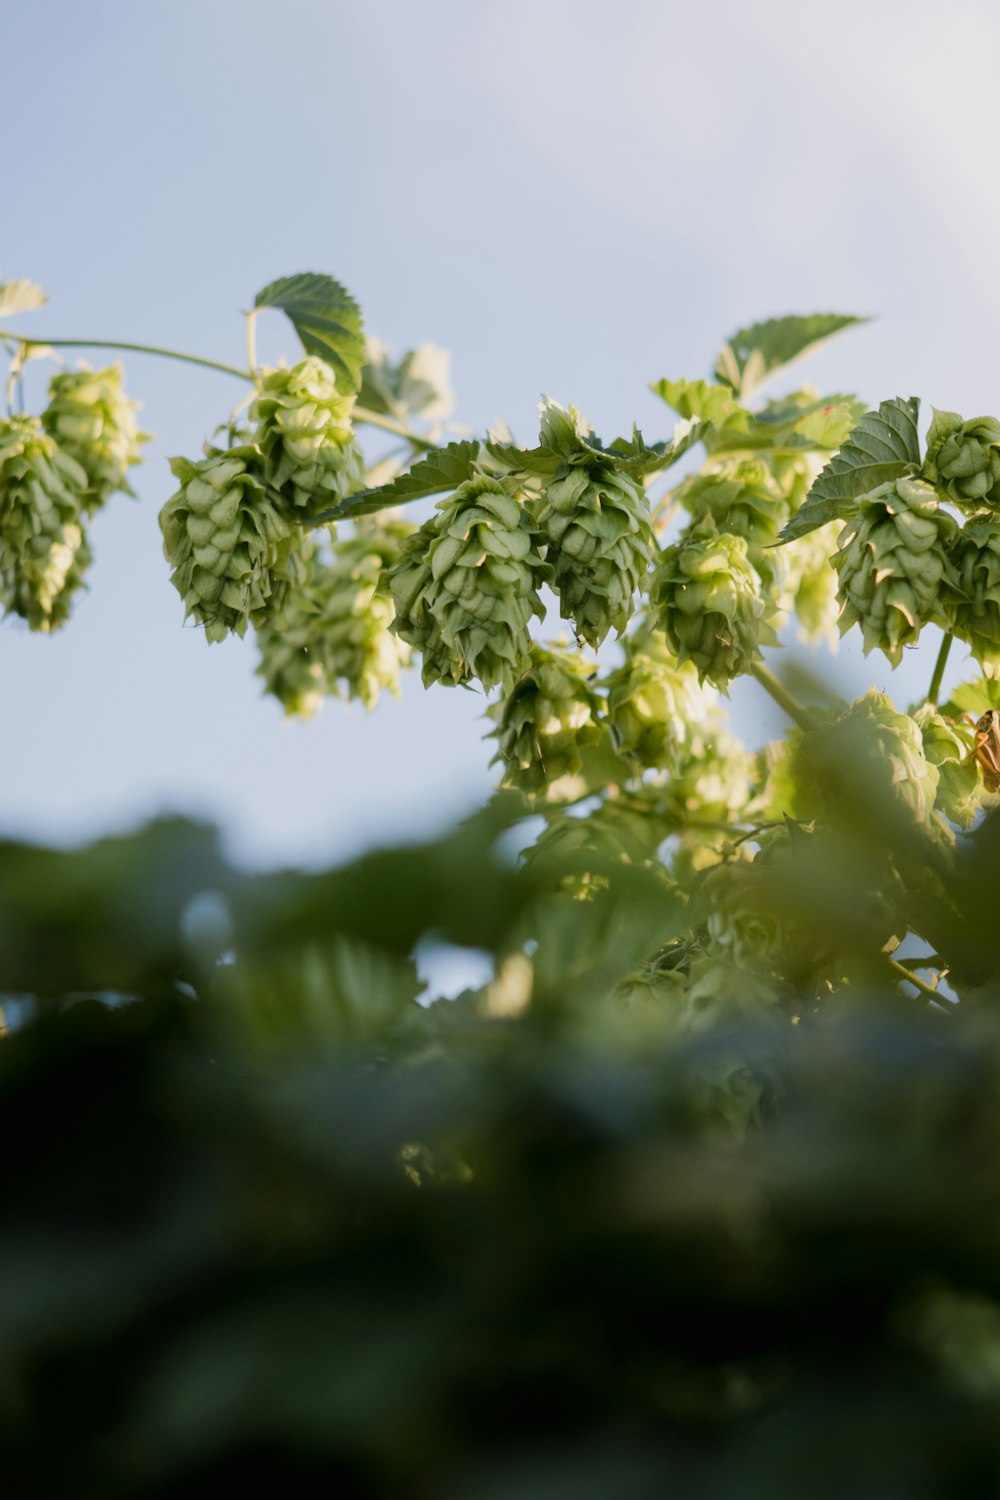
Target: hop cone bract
(707, 600)
(892, 562)
(93, 421)
(550, 713)
(741, 498)
(228, 544)
(43, 547)
(595, 517)
(948, 745)
(304, 434)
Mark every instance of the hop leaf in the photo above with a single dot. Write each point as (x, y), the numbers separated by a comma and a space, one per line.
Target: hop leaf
(708, 602)
(595, 517)
(93, 421)
(892, 562)
(655, 706)
(465, 587)
(227, 541)
(551, 712)
(964, 458)
(304, 435)
(43, 546)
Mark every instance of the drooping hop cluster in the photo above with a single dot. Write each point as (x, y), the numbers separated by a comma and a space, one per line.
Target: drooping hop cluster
(305, 438)
(465, 588)
(964, 458)
(43, 547)
(975, 589)
(892, 563)
(948, 745)
(655, 706)
(708, 601)
(230, 547)
(93, 421)
(332, 634)
(548, 717)
(595, 518)
(871, 754)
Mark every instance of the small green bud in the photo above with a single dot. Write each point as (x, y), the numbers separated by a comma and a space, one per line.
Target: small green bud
(892, 563)
(43, 547)
(93, 421)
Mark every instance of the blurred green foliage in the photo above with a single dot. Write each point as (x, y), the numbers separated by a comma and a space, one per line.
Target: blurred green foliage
(593, 1229)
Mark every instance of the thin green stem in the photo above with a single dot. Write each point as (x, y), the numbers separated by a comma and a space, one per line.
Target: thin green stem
(389, 424)
(188, 359)
(934, 691)
(902, 972)
(784, 699)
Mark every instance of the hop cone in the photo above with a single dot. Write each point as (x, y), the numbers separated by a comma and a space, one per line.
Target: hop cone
(334, 628)
(595, 518)
(948, 746)
(964, 458)
(304, 434)
(93, 421)
(654, 705)
(741, 499)
(43, 548)
(874, 750)
(743, 923)
(708, 602)
(975, 557)
(467, 603)
(545, 720)
(892, 562)
(224, 537)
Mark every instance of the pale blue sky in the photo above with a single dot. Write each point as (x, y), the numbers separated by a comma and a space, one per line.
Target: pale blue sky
(573, 197)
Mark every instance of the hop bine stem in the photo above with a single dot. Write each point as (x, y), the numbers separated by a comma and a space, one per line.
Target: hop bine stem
(361, 413)
(934, 691)
(784, 699)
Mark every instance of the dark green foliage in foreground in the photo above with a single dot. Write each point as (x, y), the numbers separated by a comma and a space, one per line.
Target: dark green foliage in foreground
(273, 1221)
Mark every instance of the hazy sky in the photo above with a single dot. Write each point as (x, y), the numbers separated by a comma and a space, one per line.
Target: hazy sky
(573, 197)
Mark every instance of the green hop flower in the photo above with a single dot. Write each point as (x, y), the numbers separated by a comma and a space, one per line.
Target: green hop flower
(469, 611)
(93, 421)
(975, 595)
(892, 562)
(334, 628)
(741, 498)
(874, 749)
(707, 600)
(655, 706)
(964, 458)
(43, 547)
(595, 517)
(304, 434)
(948, 745)
(543, 723)
(230, 548)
